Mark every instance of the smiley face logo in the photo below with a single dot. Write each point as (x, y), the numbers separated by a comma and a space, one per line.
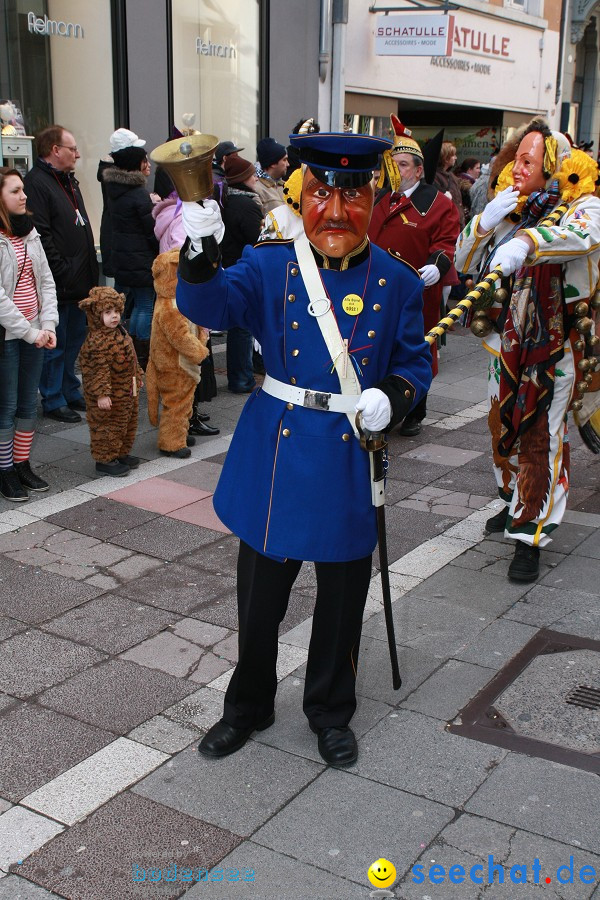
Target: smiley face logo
(381, 873)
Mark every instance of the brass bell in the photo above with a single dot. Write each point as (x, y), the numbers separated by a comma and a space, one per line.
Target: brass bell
(579, 345)
(581, 309)
(593, 361)
(583, 365)
(593, 340)
(188, 162)
(588, 377)
(582, 386)
(577, 404)
(481, 326)
(501, 295)
(583, 325)
(595, 301)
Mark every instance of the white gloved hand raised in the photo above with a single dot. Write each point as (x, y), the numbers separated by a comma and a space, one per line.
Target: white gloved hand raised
(510, 256)
(376, 409)
(430, 274)
(202, 221)
(498, 208)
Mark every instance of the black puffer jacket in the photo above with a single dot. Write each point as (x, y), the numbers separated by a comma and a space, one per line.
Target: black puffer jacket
(134, 246)
(51, 197)
(243, 218)
(105, 224)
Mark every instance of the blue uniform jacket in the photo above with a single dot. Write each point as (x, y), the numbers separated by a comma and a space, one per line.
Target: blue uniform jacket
(296, 481)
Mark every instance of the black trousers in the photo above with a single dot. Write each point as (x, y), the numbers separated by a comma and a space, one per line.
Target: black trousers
(263, 588)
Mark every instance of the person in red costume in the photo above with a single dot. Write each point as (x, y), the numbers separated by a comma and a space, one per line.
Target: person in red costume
(421, 224)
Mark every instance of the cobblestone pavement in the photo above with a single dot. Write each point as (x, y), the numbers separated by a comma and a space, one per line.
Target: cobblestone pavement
(118, 637)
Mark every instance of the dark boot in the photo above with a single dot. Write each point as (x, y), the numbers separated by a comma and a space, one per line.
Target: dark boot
(142, 349)
(29, 479)
(497, 523)
(11, 487)
(199, 427)
(526, 563)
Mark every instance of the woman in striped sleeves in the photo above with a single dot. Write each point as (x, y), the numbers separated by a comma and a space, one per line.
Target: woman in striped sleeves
(28, 319)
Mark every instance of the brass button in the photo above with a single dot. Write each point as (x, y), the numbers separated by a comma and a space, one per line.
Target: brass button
(294, 271)
(292, 381)
(382, 282)
(365, 361)
(407, 394)
(345, 437)
(371, 334)
(295, 326)
(290, 405)
(286, 432)
(376, 307)
(291, 297)
(295, 353)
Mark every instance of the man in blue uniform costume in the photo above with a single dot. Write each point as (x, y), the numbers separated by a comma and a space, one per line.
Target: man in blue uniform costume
(340, 324)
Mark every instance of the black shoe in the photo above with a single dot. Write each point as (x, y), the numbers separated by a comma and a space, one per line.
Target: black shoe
(131, 461)
(77, 404)
(223, 739)
(337, 745)
(202, 429)
(410, 428)
(115, 468)
(246, 390)
(63, 414)
(11, 487)
(526, 563)
(498, 522)
(183, 453)
(203, 417)
(29, 479)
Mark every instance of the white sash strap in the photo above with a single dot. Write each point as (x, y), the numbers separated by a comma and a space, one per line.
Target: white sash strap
(290, 393)
(349, 383)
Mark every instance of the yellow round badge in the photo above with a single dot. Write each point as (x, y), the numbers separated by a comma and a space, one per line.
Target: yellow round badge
(352, 304)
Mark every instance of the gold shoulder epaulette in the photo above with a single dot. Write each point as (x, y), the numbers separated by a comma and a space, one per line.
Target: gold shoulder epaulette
(275, 241)
(397, 256)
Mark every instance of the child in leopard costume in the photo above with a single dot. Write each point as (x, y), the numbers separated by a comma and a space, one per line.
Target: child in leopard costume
(112, 378)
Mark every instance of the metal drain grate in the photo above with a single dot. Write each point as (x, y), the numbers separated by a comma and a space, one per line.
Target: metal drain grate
(585, 696)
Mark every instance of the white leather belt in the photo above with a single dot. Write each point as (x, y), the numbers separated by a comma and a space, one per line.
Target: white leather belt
(290, 393)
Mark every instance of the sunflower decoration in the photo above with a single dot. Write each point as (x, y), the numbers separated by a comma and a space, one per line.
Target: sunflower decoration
(292, 190)
(505, 179)
(577, 175)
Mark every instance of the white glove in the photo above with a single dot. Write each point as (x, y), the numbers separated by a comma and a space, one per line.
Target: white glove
(498, 208)
(510, 256)
(202, 221)
(376, 409)
(430, 274)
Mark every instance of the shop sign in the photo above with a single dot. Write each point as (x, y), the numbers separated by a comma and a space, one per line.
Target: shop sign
(207, 48)
(411, 35)
(46, 26)
(486, 43)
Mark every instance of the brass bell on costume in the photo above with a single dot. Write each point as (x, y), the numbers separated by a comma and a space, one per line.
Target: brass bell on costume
(188, 162)
(501, 295)
(481, 325)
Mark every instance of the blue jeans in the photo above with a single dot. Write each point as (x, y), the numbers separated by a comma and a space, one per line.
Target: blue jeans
(20, 369)
(240, 371)
(141, 300)
(59, 385)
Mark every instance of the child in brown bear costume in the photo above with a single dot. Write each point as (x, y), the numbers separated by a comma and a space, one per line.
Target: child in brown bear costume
(177, 347)
(112, 379)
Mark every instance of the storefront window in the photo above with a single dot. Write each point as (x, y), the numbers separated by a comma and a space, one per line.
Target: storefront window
(57, 67)
(215, 68)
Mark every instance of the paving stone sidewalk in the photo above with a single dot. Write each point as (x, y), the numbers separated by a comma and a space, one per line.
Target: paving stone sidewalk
(118, 638)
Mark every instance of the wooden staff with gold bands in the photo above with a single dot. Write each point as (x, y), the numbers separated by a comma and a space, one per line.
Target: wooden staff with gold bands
(482, 287)
(465, 304)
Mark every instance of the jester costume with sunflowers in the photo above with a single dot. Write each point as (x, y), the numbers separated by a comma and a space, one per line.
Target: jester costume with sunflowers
(533, 349)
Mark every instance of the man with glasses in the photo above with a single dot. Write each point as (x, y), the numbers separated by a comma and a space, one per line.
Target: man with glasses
(59, 214)
(421, 224)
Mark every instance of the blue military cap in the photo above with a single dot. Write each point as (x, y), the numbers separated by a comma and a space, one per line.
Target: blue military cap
(340, 160)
